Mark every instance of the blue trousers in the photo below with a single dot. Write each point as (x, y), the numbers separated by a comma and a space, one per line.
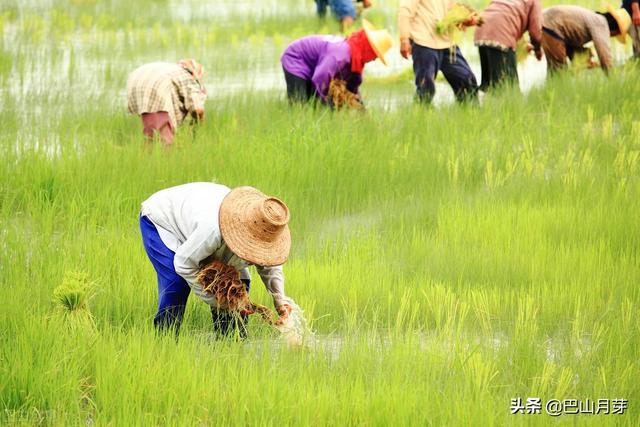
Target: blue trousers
(426, 64)
(340, 8)
(173, 290)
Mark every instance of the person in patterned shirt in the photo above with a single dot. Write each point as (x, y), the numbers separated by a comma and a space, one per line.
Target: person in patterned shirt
(163, 94)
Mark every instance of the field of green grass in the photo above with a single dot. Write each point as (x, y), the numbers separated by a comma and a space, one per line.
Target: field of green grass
(449, 259)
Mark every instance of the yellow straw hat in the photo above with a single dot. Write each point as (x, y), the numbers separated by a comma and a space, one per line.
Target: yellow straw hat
(380, 40)
(254, 226)
(624, 22)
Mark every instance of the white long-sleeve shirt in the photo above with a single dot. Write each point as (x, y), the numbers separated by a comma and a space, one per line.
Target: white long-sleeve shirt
(186, 217)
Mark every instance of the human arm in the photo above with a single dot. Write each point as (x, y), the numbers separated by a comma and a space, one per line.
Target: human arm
(194, 98)
(198, 115)
(635, 12)
(534, 27)
(326, 69)
(273, 279)
(600, 36)
(406, 12)
(202, 242)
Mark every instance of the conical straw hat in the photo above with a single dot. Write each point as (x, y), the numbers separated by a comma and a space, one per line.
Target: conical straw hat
(254, 226)
(624, 22)
(380, 40)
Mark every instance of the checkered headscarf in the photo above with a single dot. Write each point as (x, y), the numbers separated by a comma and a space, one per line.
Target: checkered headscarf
(195, 69)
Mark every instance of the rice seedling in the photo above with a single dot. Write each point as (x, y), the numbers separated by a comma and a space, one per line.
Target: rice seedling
(223, 282)
(71, 299)
(457, 18)
(341, 97)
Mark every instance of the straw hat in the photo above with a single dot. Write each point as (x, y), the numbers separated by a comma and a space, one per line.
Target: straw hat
(380, 40)
(254, 226)
(623, 19)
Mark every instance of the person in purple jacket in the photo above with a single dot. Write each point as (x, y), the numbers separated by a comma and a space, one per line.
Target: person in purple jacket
(310, 63)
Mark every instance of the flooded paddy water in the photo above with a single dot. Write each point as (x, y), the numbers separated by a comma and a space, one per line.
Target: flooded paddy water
(335, 346)
(81, 57)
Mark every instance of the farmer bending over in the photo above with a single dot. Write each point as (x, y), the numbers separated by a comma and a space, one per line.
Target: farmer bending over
(164, 94)
(566, 29)
(505, 21)
(186, 226)
(310, 63)
(433, 52)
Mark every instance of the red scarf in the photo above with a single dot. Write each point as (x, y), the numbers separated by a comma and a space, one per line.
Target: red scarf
(361, 51)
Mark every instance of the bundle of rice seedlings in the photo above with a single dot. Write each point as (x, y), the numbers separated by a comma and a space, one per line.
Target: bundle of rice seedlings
(71, 301)
(454, 22)
(341, 97)
(223, 282)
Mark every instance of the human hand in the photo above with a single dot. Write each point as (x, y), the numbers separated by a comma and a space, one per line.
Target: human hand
(198, 115)
(405, 48)
(366, 3)
(592, 63)
(473, 20)
(283, 311)
(538, 53)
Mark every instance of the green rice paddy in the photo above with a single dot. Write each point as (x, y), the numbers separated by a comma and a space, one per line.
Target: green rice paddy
(450, 259)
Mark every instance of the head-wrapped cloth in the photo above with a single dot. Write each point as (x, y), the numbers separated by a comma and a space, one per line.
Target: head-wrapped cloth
(361, 51)
(195, 69)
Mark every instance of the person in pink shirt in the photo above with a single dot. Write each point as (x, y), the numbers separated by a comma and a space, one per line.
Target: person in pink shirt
(505, 21)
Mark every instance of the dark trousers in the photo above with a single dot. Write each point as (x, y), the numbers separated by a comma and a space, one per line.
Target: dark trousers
(426, 64)
(498, 67)
(299, 90)
(173, 290)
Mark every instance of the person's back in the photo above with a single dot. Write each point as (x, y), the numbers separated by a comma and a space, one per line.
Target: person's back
(148, 85)
(567, 28)
(302, 56)
(164, 93)
(505, 21)
(312, 62)
(172, 209)
(574, 22)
